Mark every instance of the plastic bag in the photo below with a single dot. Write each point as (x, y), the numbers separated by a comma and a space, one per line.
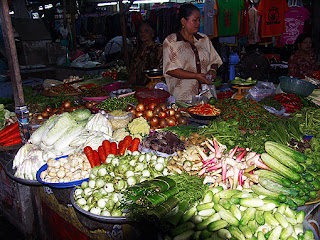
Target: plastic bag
(262, 90)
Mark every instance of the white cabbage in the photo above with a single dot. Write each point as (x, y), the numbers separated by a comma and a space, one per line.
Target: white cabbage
(36, 137)
(61, 125)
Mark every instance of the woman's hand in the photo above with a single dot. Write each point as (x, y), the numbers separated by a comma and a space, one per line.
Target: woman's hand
(213, 74)
(202, 78)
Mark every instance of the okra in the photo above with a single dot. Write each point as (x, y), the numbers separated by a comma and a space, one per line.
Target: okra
(246, 231)
(236, 233)
(247, 216)
(270, 219)
(203, 225)
(281, 219)
(219, 224)
(275, 233)
(259, 217)
(227, 215)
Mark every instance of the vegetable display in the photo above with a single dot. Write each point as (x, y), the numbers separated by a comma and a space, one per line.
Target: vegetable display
(158, 115)
(117, 103)
(66, 169)
(205, 110)
(101, 195)
(10, 135)
(249, 113)
(293, 179)
(227, 214)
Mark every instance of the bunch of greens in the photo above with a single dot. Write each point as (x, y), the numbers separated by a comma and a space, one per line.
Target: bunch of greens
(115, 103)
(182, 130)
(226, 132)
(270, 102)
(37, 102)
(250, 114)
(4, 116)
(309, 120)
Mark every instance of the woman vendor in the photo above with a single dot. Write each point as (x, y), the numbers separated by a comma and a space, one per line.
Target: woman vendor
(188, 56)
(147, 56)
(303, 61)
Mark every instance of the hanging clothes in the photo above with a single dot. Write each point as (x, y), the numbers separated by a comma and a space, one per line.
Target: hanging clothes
(210, 8)
(272, 17)
(228, 17)
(253, 26)
(294, 22)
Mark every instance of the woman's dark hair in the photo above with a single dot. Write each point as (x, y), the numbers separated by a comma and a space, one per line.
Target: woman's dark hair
(150, 24)
(300, 39)
(185, 11)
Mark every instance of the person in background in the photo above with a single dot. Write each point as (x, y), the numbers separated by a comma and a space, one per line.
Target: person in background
(189, 56)
(303, 61)
(147, 56)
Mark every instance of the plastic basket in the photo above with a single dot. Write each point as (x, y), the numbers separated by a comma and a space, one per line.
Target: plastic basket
(147, 96)
(296, 86)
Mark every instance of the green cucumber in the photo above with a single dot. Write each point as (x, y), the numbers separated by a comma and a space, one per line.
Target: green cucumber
(270, 219)
(276, 187)
(275, 233)
(236, 233)
(274, 176)
(219, 224)
(259, 217)
(297, 156)
(183, 227)
(251, 202)
(258, 189)
(228, 193)
(280, 168)
(282, 157)
(246, 231)
(247, 216)
(203, 225)
(227, 216)
(185, 235)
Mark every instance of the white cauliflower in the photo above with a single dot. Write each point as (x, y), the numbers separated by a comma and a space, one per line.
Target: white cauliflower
(119, 134)
(139, 126)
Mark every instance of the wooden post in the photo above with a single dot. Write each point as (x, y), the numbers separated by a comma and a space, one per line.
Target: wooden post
(11, 51)
(124, 29)
(124, 33)
(73, 25)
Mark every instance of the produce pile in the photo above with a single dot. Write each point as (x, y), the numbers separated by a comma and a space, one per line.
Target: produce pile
(235, 178)
(249, 113)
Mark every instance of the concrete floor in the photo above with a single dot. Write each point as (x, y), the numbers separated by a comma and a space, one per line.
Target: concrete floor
(8, 231)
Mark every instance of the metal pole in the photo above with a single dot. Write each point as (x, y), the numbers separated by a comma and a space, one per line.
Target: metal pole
(11, 51)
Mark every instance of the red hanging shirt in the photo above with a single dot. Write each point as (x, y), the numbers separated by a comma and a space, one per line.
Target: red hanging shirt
(272, 17)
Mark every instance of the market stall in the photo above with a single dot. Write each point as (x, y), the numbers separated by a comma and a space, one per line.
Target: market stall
(100, 161)
(99, 169)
